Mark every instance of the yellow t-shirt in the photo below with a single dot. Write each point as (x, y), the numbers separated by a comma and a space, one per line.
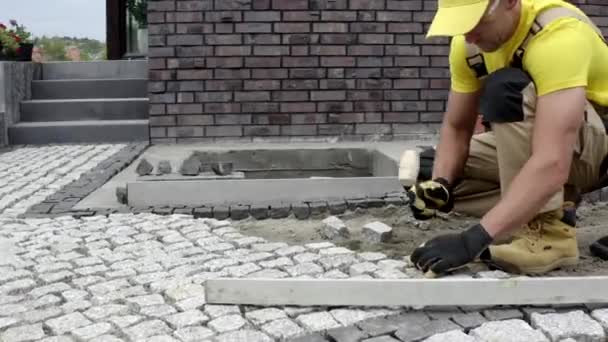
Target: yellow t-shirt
(566, 53)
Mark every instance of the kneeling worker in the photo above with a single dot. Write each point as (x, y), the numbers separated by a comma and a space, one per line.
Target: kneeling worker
(537, 72)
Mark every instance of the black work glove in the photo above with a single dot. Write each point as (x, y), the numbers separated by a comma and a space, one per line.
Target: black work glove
(451, 251)
(429, 196)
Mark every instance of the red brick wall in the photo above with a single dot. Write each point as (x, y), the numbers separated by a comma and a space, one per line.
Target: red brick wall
(298, 69)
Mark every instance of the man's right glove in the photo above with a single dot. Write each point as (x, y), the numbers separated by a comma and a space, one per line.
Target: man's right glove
(429, 196)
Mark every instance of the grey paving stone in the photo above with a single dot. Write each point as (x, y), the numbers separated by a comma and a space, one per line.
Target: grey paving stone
(601, 315)
(6, 322)
(336, 207)
(511, 330)
(35, 316)
(316, 337)
(245, 335)
(452, 336)
(305, 257)
(125, 321)
(23, 333)
(157, 311)
(184, 291)
(574, 324)
(262, 316)
(67, 323)
(528, 311)
(469, 320)
(259, 212)
(372, 256)
(282, 329)
(227, 323)
(377, 232)
(215, 311)
(280, 210)
(268, 273)
(62, 338)
(242, 270)
(362, 268)
(162, 338)
(307, 268)
(378, 326)
(502, 314)
(317, 321)
(389, 273)
(347, 334)
(380, 339)
(48, 289)
(301, 211)
(91, 331)
(348, 317)
(147, 329)
(221, 212)
(239, 212)
(146, 300)
(334, 228)
(290, 251)
(187, 318)
(193, 334)
(420, 332)
(337, 261)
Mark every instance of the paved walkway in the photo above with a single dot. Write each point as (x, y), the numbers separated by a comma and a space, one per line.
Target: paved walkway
(126, 277)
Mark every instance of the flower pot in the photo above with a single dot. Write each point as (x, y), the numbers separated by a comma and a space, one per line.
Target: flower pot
(25, 52)
(142, 40)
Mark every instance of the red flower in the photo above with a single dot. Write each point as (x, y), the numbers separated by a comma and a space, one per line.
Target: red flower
(2, 26)
(17, 38)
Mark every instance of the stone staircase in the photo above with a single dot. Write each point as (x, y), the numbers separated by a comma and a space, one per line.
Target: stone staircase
(85, 102)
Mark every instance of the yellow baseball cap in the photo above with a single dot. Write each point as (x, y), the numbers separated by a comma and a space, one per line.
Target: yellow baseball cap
(455, 17)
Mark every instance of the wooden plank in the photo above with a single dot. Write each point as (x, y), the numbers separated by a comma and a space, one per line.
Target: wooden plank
(408, 292)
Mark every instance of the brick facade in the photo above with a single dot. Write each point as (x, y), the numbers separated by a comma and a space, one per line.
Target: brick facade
(298, 69)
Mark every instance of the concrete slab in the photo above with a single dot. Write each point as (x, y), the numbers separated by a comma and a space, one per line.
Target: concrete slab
(105, 197)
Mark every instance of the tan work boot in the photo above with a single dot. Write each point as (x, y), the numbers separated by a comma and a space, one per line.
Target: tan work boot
(544, 244)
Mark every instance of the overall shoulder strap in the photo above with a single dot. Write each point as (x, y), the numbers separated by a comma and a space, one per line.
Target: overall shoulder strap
(543, 19)
(475, 58)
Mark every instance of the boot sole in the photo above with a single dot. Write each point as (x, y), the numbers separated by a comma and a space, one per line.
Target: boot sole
(571, 261)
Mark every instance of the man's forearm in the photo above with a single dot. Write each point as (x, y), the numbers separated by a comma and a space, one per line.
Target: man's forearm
(452, 152)
(529, 191)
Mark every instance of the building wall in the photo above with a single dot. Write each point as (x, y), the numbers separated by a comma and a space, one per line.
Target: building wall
(298, 69)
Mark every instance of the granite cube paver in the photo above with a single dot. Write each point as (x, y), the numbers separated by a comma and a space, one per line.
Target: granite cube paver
(377, 231)
(334, 228)
(146, 329)
(601, 315)
(347, 334)
(283, 328)
(452, 336)
(67, 323)
(245, 335)
(227, 323)
(259, 317)
(574, 324)
(23, 333)
(187, 318)
(193, 334)
(317, 321)
(512, 330)
(419, 332)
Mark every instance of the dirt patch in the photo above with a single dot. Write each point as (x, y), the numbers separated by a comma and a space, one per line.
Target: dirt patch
(409, 233)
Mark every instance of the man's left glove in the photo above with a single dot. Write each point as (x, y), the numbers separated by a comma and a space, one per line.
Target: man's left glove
(449, 252)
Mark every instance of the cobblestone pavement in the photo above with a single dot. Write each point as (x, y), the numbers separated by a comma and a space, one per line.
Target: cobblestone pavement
(141, 277)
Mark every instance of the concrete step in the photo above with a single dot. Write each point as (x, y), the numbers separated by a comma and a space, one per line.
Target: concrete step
(89, 88)
(95, 69)
(84, 109)
(102, 131)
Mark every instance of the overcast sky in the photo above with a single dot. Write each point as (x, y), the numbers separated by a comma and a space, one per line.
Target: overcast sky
(73, 18)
